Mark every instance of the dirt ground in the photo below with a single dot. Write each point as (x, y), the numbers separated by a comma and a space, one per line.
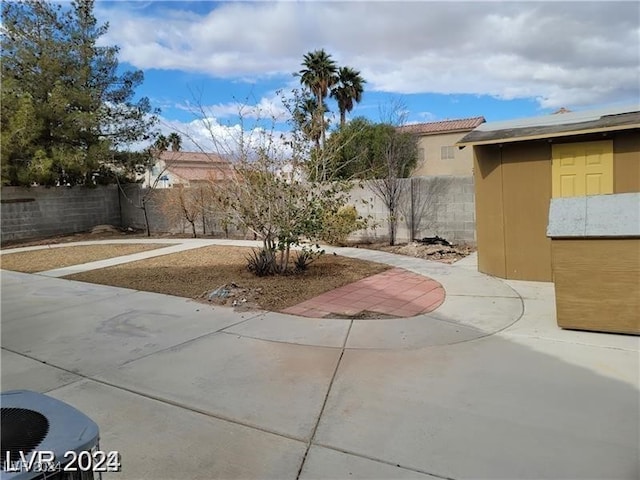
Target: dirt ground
(212, 274)
(51, 258)
(197, 273)
(77, 237)
(438, 253)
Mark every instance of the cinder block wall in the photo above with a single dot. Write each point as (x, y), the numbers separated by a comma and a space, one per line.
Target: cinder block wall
(441, 205)
(133, 215)
(159, 222)
(40, 212)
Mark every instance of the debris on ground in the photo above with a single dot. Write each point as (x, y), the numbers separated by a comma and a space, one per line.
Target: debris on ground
(434, 241)
(363, 315)
(439, 253)
(102, 229)
(233, 295)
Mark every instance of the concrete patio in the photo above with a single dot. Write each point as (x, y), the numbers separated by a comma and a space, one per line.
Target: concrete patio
(484, 386)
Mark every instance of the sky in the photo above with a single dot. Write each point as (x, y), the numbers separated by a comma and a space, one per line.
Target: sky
(438, 60)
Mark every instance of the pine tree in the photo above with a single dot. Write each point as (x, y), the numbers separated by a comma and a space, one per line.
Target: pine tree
(65, 107)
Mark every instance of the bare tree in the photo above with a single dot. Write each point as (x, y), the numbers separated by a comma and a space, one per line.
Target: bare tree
(154, 154)
(265, 188)
(400, 154)
(419, 206)
(183, 203)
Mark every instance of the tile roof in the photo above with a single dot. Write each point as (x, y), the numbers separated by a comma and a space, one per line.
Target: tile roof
(457, 125)
(196, 174)
(202, 158)
(197, 166)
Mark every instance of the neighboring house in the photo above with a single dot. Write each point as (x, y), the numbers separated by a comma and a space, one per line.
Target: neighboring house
(186, 169)
(520, 165)
(437, 153)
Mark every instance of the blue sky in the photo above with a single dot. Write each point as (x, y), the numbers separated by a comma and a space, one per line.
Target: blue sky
(441, 60)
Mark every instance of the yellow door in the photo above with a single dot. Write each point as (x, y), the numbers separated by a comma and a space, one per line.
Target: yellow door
(584, 168)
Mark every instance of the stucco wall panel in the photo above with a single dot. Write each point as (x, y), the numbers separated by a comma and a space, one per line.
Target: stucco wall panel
(489, 212)
(431, 163)
(626, 162)
(526, 184)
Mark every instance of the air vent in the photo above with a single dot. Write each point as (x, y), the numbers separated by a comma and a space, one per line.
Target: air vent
(21, 430)
(33, 423)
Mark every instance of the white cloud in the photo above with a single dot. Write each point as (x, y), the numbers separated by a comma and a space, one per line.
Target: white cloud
(269, 108)
(207, 134)
(562, 53)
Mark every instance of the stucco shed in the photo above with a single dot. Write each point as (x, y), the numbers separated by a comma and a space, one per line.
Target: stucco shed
(520, 165)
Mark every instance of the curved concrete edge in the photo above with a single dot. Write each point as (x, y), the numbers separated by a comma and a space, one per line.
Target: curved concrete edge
(476, 305)
(285, 328)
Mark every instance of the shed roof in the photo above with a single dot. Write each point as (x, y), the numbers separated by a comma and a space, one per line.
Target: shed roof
(444, 126)
(549, 126)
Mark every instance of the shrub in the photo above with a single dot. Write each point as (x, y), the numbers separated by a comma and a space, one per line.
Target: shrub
(339, 225)
(305, 257)
(262, 262)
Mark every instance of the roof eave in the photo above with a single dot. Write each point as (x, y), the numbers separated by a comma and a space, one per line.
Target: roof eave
(542, 136)
(441, 132)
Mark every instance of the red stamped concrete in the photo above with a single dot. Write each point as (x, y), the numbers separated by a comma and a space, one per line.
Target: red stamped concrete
(396, 292)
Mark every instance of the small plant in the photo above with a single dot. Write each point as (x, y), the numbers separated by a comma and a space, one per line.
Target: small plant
(339, 225)
(305, 257)
(262, 262)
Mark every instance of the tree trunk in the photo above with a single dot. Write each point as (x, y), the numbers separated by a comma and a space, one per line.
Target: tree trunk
(412, 218)
(286, 259)
(204, 226)
(321, 119)
(392, 225)
(146, 217)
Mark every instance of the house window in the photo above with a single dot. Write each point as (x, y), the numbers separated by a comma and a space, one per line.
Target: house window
(446, 153)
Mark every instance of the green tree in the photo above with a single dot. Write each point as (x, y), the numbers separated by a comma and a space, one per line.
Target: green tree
(305, 118)
(175, 141)
(348, 89)
(378, 153)
(161, 144)
(319, 74)
(360, 150)
(62, 92)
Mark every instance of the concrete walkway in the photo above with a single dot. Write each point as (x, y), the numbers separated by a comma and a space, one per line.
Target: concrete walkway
(485, 386)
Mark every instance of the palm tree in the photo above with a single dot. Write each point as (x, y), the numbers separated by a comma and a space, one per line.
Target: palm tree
(348, 90)
(306, 115)
(319, 75)
(161, 144)
(175, 141)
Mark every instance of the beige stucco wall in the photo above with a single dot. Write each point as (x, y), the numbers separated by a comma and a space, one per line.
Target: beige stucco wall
(429, 162)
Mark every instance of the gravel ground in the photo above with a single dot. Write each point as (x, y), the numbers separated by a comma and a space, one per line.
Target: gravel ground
(194, 273)
(51, 258)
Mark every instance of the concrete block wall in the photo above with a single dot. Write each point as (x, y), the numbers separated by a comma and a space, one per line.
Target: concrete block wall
(133, 216)
(159, 222)
(441, 205)
(41, 212)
